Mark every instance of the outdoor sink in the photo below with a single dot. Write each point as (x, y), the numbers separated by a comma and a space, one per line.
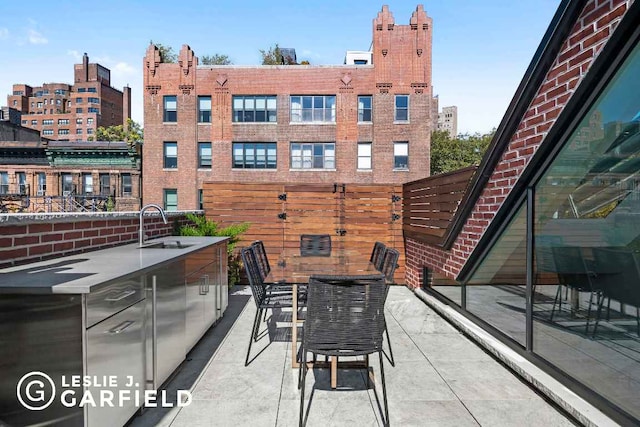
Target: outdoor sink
(165, 245)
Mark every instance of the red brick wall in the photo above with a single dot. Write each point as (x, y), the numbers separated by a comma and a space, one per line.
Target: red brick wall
(590, 33)
(403, 68)
(46, 238)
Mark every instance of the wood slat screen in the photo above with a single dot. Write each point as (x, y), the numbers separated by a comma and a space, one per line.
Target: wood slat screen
(429, 204)
(356, 216)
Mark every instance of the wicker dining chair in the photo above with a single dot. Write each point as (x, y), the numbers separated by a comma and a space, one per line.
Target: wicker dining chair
(390, 263)
(345, 317)
(315, 245)
(377, 255)
(262, 296)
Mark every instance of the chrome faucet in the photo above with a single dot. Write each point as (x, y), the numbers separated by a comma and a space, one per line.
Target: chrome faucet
(141, 234)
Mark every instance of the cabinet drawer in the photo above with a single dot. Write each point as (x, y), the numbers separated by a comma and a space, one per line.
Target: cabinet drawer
(196, 260)
(112, 298)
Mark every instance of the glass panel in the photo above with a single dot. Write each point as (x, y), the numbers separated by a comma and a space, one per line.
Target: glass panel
(402, 101)
(249, 103)
(261, 103)
(587, 239)
(401, 149)
(271, 103)
(237, 103)
(205, 102)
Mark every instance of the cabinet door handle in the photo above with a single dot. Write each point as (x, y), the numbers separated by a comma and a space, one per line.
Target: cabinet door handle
(203, 290)
(206, 283)
(121, 327)
(121, 296)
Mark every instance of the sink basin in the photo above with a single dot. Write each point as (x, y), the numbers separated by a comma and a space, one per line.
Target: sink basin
(165, 245)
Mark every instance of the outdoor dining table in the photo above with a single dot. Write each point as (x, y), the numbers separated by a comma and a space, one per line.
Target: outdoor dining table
(294, 269)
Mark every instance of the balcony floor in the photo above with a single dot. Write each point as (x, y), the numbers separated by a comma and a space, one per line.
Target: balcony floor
(441, 378)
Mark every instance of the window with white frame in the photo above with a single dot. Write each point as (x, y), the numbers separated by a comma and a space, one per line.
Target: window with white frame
(21, 180)
(125, 180)
(401, 155)
(42, 183)
(170, 199)
(364, 155)
(313, 109)
(87, 183)
(105, 184)
(204, 155)
(170, 155)
(313, 155)
(401, 110)
(254, 108)
(364, 108)
(170, 108)
(4, 182)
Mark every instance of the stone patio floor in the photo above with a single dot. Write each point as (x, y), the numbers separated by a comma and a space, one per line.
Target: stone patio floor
(441, 378)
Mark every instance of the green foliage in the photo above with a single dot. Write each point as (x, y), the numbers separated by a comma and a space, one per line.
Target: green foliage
(206, 227)
(215, 59)
(110, 204)
(449, 154)
(167, 54)
(133, 134)
(273, 56)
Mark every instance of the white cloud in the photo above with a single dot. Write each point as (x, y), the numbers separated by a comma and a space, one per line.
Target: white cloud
(4, 33)
(123, 68)
(76, 55)
(36, 38)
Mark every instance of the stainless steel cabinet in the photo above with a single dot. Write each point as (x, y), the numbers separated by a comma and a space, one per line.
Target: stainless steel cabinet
(115, 347)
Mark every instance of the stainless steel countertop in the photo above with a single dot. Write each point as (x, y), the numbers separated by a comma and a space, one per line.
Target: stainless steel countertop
(79, 274)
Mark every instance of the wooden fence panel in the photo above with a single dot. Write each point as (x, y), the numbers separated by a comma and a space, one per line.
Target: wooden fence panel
(355, 216)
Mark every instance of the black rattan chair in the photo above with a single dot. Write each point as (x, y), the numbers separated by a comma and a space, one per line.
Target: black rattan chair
(390, 263)
(315, 245)
(262, 296)
(377, 255)
(345, 317)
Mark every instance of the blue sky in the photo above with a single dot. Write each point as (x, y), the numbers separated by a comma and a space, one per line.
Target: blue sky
(481, 49)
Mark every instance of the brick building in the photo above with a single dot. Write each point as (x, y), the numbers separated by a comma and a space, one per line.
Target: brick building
(67, 112)
(294, 123)
(448, 120)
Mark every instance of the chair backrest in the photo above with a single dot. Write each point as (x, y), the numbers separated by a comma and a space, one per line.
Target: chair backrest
(616, 274)
(261, 258)
(571, 267)
(377, 255)
(315, 244)
(250, 263)
(390, 263)
(345, 314)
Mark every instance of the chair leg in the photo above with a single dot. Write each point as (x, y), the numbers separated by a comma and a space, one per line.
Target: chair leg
(586, 329)
(303, 367)
(257, 331)
(595, 327)
(391, 358)
(555, 300)
(384, 391)
(256, 322)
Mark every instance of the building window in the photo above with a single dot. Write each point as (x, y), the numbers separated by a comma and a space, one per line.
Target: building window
(59, 92)
(170, 199)
(90, 120)
(126, 184)
(42, 183)
(21, 181)
(364, 155)
(313, 156)
(105, 184)
(87, 183)
(254, 108)
(47, 132)
(89, 131)
(313, 109)
(78, 131)
(67, 184)
(47, 122)
(63, 131)
(170, 155)
(94, 100)
(4, 183)
(401, 112)
(204, 155)
(82, 89)
(58, 102)
(364, 108)
(170, 108)
(78, 110)
(63, 121)
(254, 155)
(78, 100)
(46, 101)
(201, 199)
(78, 121)
(93, 110)
(91, 89)
(34, 123)
(39, 104)
(15, 102)
(204, 109)
(401, 155)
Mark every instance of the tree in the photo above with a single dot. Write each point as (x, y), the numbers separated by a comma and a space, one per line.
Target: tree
(273, 56)
(133, 134)
(167, 54)
(215, 59)
(449, 154)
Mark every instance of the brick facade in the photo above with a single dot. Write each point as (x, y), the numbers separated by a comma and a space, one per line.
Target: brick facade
(590, 33)
(401, 65)
(39, 237)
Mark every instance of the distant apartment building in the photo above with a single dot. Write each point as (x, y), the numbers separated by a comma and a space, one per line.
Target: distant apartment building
(65, 112)
(448, 120)
(352, 123)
